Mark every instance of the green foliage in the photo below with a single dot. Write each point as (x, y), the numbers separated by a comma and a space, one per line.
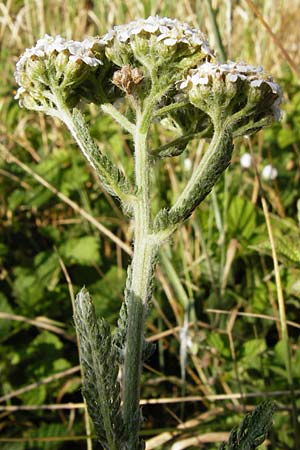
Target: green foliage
(108, 292)
(47, 430)
(5, 308)
(253, 429)
(84, 251)
(12, 446)
(242, 218)
(101, 388)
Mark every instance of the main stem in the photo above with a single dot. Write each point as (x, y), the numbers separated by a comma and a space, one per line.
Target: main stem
(141, 275)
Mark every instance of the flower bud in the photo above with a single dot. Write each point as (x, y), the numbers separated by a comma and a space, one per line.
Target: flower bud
(61, 61)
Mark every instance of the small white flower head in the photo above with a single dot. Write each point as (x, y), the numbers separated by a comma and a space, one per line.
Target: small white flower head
(246, 161)
(55, 61)
(269, 173)
(187, 164)
(156, 42)
(237, 90)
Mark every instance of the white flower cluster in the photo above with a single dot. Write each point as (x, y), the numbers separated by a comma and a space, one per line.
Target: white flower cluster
(49, 46)
(230, 71)
(168, 31)
(78, 51)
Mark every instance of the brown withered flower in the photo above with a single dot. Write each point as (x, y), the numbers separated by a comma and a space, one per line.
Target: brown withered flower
(127, 78)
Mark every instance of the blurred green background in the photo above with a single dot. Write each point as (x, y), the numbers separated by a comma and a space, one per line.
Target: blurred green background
(60, 231)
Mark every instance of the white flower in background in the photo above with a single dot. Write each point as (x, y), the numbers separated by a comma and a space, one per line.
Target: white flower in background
(187, 164)
(269, 172)
(246, 161)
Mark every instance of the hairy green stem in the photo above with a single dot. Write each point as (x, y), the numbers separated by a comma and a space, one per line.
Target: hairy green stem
(118, 117)
(170, 108)
(215, 160)
(141, 276)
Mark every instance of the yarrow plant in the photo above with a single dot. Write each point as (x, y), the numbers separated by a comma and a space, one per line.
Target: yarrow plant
(166, 71)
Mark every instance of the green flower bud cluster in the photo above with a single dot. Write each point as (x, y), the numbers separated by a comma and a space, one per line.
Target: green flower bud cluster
(241, 96)
(132, 57)
(55, 63)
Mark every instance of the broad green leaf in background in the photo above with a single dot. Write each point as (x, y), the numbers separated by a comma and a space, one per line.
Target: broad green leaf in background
(251, 351)
(107, 293)
(28, 291)
(45, 355)
(83, 250)
(241, 219)
(36, 396)
(219, 342)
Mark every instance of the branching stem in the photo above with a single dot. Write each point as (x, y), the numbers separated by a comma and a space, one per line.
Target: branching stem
(111, 177)
(214, 162)
(118, 117)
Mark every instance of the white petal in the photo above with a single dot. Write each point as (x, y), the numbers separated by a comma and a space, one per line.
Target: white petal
(75, 48)
(184, 84)
(184, 40)
(232, 77)
(170, 42)
(197, 39)
(19, 93)
(75, 58)
(93, 62)
(197, 79)
(163, 29)
(150, 28)
(274, 87)
(162, 36)
(256, 83)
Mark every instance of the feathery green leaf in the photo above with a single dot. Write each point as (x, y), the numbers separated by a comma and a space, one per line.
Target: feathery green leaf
(98, 358)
